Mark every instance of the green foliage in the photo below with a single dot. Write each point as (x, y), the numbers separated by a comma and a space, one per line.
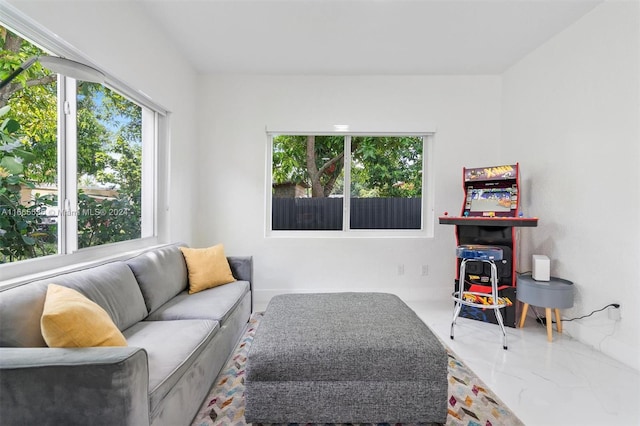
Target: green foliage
(316, 161)
(381, 166)
(119, 219)
(14, 51)
(22, 235)
(35, 108)
(108, 155)
(113, 158)
(289, 162)
(387, 167)
(107, 221)
(122, 165)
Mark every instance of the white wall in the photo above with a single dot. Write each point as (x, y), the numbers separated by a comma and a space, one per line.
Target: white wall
(571, 117)
(119, 38)
(568, 113)
(234, 111)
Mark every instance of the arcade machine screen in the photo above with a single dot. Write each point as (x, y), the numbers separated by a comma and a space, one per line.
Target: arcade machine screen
(488, 200)
(491, 191)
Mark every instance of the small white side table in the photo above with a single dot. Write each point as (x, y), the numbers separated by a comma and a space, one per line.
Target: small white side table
(556, 294)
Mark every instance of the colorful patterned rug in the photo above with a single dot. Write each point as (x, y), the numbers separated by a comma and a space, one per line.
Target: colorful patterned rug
(471, 403)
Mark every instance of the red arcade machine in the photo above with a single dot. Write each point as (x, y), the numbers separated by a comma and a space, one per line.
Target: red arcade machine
(490, 214)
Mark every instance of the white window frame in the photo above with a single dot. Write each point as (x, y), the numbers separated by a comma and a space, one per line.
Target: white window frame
(155, 131)
(428, 187)
(68, 168)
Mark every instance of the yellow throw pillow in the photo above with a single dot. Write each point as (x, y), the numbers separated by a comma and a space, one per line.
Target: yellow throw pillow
(70, 320)
(207, 267)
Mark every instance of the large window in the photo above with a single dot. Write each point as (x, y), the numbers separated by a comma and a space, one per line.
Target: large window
(72, 170)
(347, 182)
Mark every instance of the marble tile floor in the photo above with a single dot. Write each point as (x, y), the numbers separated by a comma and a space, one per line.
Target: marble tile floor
(562, 383)
(559, 383)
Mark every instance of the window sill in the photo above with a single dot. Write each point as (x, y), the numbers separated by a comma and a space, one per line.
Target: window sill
(37, 268)
(355, 233)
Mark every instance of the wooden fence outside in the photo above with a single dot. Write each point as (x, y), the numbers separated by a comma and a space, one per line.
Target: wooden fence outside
(325, 214)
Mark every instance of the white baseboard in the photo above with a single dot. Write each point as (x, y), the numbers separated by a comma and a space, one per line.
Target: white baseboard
(604, 335)
(261, 298)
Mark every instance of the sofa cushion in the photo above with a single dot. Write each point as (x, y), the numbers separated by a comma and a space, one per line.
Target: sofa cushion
(161, 274)
(172, 347)
(20, 313)
(112, 286)
(215, 303)
(70, 320)
(207, 267)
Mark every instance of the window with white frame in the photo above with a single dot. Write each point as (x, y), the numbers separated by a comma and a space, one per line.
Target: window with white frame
(77, 162)
(345, 182)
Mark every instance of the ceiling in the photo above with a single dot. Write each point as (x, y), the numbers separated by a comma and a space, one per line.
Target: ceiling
(361, 36)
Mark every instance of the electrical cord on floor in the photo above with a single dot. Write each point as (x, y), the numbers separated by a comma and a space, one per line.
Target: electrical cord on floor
(543, 320)
(614, 305)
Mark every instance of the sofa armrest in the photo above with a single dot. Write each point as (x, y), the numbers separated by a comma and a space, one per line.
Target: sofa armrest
(55, 386)
(242, 268)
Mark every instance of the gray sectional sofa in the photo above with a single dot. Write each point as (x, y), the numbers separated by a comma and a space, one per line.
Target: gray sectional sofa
(177, 344)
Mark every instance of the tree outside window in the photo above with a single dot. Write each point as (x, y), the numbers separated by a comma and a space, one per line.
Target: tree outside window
(385, 175)
(109, 157)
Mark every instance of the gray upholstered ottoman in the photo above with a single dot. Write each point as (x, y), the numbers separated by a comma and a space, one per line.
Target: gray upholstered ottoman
(344, 358)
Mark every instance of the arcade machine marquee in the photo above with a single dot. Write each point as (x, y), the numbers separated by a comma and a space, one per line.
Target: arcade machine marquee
(490, 214)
